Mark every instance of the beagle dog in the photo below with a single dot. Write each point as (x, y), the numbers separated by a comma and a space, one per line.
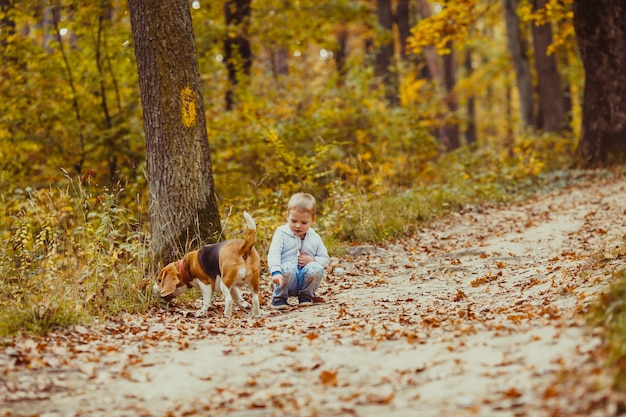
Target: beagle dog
(222, 267)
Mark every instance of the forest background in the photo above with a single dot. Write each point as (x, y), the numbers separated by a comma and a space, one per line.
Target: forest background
(390, 112)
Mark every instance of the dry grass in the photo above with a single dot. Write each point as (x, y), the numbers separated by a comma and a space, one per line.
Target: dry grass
(69, 257)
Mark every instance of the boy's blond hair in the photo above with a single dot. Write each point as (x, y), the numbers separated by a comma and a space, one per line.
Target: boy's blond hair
(302, 202)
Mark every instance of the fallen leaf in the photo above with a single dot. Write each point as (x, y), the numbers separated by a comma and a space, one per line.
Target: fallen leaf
(329, 378)
(512, 393)
(379, 399)
(312, 336)
(460, 295)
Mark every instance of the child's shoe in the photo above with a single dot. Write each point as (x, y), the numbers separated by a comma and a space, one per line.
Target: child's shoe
(305, 301)
(279, 303)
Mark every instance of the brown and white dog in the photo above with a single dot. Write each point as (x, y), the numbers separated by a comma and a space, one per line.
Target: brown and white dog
(222, 267)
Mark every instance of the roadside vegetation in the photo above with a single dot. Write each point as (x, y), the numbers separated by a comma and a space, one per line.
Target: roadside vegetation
(76, 252)
(609, 314)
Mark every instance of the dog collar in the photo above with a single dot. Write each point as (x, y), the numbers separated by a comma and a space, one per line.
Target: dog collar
(183, 273)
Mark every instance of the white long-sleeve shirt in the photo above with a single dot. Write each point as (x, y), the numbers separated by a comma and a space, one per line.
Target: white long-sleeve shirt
(286, 246)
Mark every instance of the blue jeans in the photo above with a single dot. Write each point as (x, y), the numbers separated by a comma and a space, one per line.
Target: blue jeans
(299, 280)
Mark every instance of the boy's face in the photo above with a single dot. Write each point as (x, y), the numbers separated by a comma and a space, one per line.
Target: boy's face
(300, 222)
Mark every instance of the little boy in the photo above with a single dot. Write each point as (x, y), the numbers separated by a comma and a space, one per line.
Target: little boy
(297, 255)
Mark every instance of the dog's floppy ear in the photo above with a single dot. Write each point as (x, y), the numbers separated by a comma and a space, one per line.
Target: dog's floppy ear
(168, 278)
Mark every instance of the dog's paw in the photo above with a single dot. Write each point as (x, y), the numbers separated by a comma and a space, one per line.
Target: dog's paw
(244, 305)
(200, 313)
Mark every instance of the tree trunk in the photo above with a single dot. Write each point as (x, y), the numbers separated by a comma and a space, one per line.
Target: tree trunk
(73, 85)
(519, 56)
(430, 53)
(341, 54)
(279, 62)
(405, 9)
(601, 33)
(451, 137)
(110, 144)
(7, 25)
(509, 137)
(568, 104)
(384, 55)
(404, 27)
(470, 131)
(183, 208)
(550, 92)
(237, 50)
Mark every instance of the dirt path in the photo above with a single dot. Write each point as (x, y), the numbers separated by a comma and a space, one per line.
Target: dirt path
(479, 314)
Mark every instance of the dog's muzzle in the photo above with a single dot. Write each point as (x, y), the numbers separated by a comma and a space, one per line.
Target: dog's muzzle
(157, 293)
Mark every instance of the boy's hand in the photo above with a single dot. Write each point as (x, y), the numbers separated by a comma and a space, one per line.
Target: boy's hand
(304, 259)
(278, 279)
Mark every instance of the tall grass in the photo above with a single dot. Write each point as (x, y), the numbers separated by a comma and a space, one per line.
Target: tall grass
(69, 255)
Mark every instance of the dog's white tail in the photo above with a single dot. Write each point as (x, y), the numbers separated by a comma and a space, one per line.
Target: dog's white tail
(250, 235)
(249, 221)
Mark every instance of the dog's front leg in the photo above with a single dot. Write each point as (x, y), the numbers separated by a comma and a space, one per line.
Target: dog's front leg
(207, 297)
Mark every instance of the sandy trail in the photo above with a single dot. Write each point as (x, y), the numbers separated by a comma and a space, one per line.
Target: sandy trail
(481, 313)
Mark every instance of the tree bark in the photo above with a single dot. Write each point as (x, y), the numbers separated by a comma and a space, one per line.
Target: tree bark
(384, 54)
(601, 33)
(7, 25)
(404, 27)
(470, 131)
(183, 208)
(430, 53)
(279, 61)
(237, 50)
(341, 53)
(521, 64)
(81, 155)
(405, 9)
(550, 93)
(451, 137)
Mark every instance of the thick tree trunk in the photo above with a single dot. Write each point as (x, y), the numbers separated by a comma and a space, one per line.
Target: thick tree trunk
(384, 55)
(521, 65)
(601, 33)
(237, 50)
(183, 208)
(550, 92)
